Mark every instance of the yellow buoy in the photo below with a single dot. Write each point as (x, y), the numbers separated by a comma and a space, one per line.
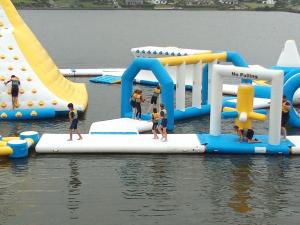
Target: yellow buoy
(1, 24)
(2, 56)
(3, 115)
(9, 92)
(6, 150)
(41, 103)
(7, 139)
(3, 143)
(18, 114)
(10, 47)
(30, 103)
(16, 57)
(33, 90)
(29, 141)
(29, 79)
(10, 68)
(54, 102)
(23, 68)
(3, 105)
(2, 78)
(33, 113)
(22, 91)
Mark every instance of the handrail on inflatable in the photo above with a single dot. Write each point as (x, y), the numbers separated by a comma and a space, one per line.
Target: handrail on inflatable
(192, 59)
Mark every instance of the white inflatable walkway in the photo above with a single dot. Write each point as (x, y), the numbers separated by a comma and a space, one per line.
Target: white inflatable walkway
(115, 143)
(22, 55)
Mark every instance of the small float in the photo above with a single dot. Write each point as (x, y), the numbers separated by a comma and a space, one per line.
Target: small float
(18, 147)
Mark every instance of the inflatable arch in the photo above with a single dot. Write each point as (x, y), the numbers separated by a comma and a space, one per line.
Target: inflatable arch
(22, 55)
(165, 81)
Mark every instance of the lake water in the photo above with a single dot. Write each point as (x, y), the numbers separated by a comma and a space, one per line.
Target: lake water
(149, 189)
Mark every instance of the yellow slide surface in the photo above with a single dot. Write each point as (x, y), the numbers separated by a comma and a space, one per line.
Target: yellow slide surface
(62, 90)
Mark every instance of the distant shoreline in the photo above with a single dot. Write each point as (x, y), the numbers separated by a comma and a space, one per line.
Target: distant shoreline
(158, 9)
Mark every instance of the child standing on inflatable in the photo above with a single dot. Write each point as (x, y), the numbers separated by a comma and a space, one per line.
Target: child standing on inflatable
(155, 120)
(164, 121)
(138, 100)
(285, 114)
(133, 103)
(15, 83)
(154, 98)
(73, 116)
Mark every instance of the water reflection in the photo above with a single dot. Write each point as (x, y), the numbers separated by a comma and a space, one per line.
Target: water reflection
(74, 186)
(153, 182)
(11, 174)
(241, 185)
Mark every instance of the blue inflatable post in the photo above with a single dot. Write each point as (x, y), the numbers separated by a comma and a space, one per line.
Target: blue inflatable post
(165, 81)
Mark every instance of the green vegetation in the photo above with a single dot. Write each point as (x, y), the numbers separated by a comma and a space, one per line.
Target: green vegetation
(282, 5)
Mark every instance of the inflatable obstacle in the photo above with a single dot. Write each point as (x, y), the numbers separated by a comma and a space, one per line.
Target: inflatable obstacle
(17, 147)
(123, 135)
(42, 85)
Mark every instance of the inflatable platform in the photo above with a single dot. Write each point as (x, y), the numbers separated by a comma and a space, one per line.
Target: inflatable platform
(42, 86)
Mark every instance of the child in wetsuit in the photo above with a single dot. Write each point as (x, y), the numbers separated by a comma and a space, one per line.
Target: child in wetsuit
(138, 100)
(154, 98)
(155, 120)
(246, 135)
(164, 121)
(133, 103)
(15, 83)
(73, 116)
(285, 114)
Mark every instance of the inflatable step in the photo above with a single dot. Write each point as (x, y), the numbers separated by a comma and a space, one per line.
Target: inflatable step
(106, 79)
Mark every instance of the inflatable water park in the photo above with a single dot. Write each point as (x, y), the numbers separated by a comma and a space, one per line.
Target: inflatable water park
(44, 92)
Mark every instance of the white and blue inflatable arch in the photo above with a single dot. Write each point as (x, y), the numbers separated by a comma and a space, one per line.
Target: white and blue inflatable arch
(165, 81)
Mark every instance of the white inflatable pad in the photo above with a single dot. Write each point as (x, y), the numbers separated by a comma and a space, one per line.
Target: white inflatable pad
(120, 126)
(143, 143)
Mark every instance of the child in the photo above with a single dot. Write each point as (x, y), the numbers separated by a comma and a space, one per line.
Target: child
(138, 100)
(164, 121)
(155, 95)
(133, 103)
(73, 116)
(246, 135)
(15, 83)
(155, 120)
(285, 111)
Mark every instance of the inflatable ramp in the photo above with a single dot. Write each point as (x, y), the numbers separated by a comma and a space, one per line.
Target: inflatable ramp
(22, 55)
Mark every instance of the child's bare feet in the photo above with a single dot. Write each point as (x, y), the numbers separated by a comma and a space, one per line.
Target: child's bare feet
(69, 140)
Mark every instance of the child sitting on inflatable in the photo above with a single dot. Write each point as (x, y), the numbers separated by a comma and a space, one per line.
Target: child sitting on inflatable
(246, 135)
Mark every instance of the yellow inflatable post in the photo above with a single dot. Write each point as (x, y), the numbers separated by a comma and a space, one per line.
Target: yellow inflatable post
(244, 107)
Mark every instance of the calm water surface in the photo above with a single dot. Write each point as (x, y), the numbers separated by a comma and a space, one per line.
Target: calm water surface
(149, 189)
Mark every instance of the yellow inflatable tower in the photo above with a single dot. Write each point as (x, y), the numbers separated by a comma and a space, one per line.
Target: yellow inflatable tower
(22, 55)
